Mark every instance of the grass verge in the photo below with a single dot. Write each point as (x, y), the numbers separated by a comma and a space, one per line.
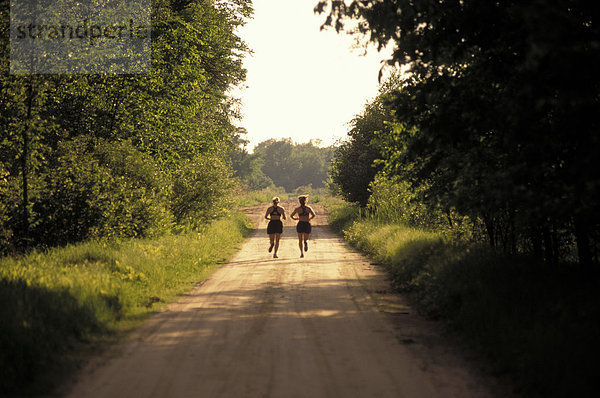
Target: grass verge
(535, 326)
(250, 198)
(57, 303)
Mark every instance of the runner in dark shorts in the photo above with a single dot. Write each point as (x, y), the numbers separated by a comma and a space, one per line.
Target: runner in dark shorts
(303, 227)
(275, 227)
(305, 214)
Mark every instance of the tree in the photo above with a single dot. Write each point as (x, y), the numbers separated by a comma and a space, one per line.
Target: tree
(498, 112)
(177, 115)
(247, 167)
(292, 165)
(354, 163)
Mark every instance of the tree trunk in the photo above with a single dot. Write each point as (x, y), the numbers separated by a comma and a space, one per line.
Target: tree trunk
(449, 218)
(555, 245)
(582, 236)
(548, 245)
(25, 170)
(489, 227)
(536, 242)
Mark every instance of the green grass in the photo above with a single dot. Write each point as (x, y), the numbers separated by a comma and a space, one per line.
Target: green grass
(56, 303)
(341, 214)
(315, 195)
(535, 326)
(249, 198)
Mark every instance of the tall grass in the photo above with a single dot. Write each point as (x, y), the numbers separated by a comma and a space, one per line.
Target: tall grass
(248, 198)
(341, 214)
(534, 325)
(316, 195)
(53, 302)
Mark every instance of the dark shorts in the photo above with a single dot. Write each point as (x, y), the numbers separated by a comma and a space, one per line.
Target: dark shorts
(303, 227)
(275, 227)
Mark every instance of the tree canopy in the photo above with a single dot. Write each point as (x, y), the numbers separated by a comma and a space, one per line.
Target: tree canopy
(497, 115)
(290, 165)
(354, 161)
(94, 155)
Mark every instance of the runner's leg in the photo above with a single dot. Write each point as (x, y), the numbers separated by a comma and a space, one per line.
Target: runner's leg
(277, 236)
(271, 239)
(300, 243)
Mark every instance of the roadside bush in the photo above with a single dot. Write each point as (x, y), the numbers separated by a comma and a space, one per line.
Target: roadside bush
(394, 200)
(201, 190)
(98, 189)
(140, 205)
(341, 214)
(534, 324)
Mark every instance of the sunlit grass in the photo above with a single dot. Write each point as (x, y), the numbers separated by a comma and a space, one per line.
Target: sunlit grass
(250, 198)
(54, 299)
(315, 195)
(536, 325)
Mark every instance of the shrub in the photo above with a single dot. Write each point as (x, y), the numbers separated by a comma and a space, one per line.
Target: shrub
(98, 189)
(201, 190)
(394, 200)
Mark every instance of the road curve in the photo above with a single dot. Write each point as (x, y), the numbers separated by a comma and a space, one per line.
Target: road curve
(326, 325)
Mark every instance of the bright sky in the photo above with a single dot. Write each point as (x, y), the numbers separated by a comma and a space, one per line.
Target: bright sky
(302, 83)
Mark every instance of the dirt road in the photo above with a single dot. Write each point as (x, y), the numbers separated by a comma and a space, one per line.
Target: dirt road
(322, 326)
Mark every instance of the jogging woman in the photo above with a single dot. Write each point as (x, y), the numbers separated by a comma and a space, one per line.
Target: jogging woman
(305, 214)
(275, 227)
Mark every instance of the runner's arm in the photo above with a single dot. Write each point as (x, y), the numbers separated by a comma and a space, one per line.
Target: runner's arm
(312, 213)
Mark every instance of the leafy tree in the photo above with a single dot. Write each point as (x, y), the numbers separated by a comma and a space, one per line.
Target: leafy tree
(354, 163)
(498, 114)
(311, 165)
(291, 165)
(98, 189)
(201, 190)
(66, 140)
(247, 167)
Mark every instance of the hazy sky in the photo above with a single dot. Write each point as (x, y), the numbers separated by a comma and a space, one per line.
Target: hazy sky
(302, 83)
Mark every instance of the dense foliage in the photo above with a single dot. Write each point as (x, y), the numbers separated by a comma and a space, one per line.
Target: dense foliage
(497, 117)
(282, 163)
(290, 165)
(85, 156)
(247, 166)
(353, 165)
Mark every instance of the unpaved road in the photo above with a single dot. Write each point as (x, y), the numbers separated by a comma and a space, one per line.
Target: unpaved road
(322, 326)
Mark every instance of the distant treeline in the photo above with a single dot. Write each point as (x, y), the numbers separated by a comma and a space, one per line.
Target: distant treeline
(493, 130)
(281, 163)
(87, 156)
